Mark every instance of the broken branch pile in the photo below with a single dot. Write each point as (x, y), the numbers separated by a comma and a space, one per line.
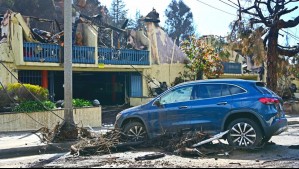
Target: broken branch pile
(104, 144)
(188, 144)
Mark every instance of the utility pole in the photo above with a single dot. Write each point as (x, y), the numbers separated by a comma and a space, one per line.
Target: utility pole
(68, 129)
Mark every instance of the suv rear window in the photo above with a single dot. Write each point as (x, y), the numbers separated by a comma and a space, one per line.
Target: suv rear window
(236, 90)
(263, 89)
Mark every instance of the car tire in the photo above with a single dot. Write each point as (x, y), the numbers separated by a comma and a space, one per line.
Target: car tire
(135, 131)
(244, 133)
(266, 140)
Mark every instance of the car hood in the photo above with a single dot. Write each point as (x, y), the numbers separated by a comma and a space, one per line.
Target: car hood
(132, 109)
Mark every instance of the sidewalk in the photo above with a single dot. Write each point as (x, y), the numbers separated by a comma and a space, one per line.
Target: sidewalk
(21, 144)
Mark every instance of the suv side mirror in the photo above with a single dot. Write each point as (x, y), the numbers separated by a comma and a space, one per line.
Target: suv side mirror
(158, 103)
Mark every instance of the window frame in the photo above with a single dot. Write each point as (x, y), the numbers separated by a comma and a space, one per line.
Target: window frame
(228, 84)
(173, 89)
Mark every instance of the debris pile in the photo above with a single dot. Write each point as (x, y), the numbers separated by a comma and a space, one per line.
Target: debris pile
(104, 144)
(192, 144)
(187, 144)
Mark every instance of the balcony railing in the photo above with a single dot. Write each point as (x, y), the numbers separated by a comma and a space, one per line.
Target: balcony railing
(39, 52)
(51, 53)
(232, 68)
(83, 55)
(123, 56)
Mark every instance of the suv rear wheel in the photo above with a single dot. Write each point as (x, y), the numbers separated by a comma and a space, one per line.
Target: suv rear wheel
(244, 133)
(135, 131)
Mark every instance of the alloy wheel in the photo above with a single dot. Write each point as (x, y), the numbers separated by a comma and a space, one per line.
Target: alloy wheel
(243, 135)
(136, 133)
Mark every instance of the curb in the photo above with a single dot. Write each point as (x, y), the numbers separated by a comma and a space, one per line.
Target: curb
(36, 150)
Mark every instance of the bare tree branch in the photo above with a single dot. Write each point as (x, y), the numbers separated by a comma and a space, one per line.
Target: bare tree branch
(291, 1)
(286, 11)
(269, 7)
(289, 51)
(288, 24)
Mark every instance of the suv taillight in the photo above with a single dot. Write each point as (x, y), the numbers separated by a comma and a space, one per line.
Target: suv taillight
(266, 100)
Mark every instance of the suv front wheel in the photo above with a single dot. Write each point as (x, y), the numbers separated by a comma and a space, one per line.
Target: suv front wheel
(244, 133)
(135, 131)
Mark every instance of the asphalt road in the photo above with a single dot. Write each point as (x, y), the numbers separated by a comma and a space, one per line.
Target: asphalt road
(279, 154)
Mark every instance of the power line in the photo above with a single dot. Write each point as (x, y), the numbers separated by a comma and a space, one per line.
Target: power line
(37, 99)
(233, 3)
(5, 90)
(229, 4)
(215, 8)
(293, 36)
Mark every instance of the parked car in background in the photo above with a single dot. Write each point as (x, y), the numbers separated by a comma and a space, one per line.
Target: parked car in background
(251, 112)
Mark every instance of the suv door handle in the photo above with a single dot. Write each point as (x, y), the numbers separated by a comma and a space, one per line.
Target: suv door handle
(222, 103)
(183, 107)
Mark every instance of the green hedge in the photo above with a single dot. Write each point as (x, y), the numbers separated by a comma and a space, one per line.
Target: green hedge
(81, 103)
(21, 94)
(34, 106)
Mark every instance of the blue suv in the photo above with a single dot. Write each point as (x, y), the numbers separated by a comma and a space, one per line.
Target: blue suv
(251, 112)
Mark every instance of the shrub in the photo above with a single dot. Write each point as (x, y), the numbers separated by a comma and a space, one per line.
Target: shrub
(81, 103)
(21, 94)
(34, 106)
(4, 99)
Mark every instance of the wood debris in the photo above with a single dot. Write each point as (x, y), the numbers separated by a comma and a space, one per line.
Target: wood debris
(180, 144)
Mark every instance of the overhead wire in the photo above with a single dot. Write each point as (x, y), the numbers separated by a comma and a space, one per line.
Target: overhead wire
(37, 99)
(229, 4)
(293, 36)
(215, 7)
(12, 100)
(233, 3)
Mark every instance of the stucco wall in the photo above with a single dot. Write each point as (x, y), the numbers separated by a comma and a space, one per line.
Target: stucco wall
(5, 76)
(6, 54)
(136, 101)
(90, 36)
(163, 73)
(21, 122)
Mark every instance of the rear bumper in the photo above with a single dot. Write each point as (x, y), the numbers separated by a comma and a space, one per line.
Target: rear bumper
(277, 127)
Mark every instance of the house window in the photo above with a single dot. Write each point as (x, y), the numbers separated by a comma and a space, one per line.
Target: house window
(30, 77)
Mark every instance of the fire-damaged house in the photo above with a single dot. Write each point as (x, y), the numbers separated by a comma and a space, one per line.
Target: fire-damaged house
(110, 64)
(114, 65)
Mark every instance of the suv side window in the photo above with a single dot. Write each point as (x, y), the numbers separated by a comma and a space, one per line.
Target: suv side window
(208, 91)
(225, 90)
(236, 90)
(178, 95)
(213, 90)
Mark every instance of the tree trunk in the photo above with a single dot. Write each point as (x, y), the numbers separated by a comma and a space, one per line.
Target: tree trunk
(272, 59)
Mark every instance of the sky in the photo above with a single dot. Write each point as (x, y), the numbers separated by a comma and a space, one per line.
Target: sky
(208, 20)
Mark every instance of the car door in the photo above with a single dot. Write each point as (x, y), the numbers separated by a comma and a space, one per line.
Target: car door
(177, 103)
(213, 102)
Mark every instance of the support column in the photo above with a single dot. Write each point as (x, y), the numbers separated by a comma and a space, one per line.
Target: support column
(114, 88)
(45, 81)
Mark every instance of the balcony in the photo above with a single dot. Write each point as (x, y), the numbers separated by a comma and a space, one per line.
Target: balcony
(123, 57)
(39, 52)
(232, 68)
(51, 53)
